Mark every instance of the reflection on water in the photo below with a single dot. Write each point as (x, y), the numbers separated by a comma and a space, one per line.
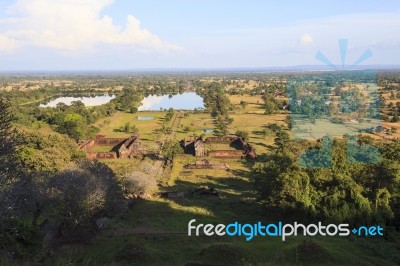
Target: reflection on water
(145, 118)
(184, 101)
(207, 131)
(87, 100)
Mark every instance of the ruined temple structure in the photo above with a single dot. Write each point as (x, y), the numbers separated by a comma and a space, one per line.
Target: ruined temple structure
(129, 148)
(197, 147)
(205, 164)
(250, 152)
(122, 147)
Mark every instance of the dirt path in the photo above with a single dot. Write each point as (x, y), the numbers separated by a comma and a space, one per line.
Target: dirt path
(143, 230)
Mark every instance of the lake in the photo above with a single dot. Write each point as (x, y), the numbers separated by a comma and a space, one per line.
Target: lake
(94, 100)
(145, 118)
(184, 101)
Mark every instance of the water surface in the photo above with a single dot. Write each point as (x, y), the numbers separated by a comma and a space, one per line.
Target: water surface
(184, 101)
(94, 100)
(145, 118)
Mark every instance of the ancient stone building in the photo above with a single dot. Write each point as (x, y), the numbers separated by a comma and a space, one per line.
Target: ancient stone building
(194, 146)
(250, 152)
(197, 147)
(129, 148)
(121, 147)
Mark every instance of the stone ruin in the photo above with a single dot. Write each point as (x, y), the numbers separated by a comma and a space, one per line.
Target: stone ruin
(197, 147)
(205, 164)
(122, 147)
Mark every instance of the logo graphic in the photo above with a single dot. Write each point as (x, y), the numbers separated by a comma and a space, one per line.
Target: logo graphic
(343, 43)
(279, 229)
(344, 102)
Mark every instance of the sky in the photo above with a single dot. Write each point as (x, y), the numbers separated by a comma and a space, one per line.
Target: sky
(153, 34)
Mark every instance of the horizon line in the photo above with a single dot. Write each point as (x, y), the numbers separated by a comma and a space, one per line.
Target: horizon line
(208, 69)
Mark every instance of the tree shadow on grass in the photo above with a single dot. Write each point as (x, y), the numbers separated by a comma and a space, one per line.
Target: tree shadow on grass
(235, 200)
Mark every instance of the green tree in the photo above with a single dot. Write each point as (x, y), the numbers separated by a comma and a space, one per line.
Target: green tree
(395, 118)
(281, 140)
(170, 149)
(75, 126)
(242, 134)
(10, 140)
(270, 104)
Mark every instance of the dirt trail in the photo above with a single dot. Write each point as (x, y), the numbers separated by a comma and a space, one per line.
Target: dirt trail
(143, 229)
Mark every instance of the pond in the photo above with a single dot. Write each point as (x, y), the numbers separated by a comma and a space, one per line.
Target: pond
(207, 131)
(184, 101)
(145, 118)
(94, 100)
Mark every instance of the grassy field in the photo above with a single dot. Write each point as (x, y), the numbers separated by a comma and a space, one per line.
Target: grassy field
(254, 103)
(194, 124)
(102, 148)
(154, 232)
(147, 129)
(252, 119)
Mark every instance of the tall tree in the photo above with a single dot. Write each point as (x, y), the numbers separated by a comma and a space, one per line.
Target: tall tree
(9, 142)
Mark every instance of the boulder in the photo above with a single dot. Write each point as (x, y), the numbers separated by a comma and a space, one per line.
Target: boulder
(102, 223)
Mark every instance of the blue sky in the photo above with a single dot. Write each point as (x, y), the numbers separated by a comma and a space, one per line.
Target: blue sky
(131, 34)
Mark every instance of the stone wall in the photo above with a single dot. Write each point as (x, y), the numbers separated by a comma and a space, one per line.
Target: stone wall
(220, 140)
(207, 165)
(226, 154)
(87, 145)
(101, 155)
(101, 141)
(106, 155)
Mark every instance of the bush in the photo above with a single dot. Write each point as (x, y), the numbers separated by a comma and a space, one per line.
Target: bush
(82, 193)
(18, 239)
(142, 181)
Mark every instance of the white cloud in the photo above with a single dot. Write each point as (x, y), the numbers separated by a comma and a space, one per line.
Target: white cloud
(306, 39)
(7, 45)
(75, 25)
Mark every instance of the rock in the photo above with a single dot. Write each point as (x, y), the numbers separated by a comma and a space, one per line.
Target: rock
(144, 196)
(131, 202)
(51, 234)
(102, 223)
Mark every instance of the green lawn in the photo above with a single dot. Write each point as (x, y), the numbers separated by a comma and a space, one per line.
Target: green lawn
(254, 103)
(195, 123)
(102, 148)
(254, 124)
(147, 129)
(154, 232)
